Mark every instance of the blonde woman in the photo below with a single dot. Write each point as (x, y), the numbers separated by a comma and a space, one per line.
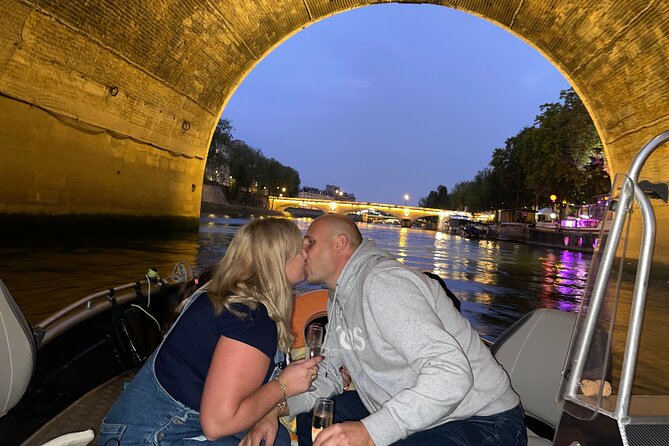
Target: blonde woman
(214, 375)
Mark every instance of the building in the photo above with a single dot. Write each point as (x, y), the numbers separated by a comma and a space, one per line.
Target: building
(331, 192)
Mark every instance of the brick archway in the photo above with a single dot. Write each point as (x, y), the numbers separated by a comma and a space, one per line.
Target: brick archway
(109, 107)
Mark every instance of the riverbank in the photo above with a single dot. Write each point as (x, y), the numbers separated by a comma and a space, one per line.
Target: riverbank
(236, 211)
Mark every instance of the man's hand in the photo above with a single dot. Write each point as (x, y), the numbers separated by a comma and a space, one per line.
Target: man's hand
(348, 433)
(265, 429)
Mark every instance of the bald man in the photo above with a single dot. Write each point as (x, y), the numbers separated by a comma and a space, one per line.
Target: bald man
(422, 373)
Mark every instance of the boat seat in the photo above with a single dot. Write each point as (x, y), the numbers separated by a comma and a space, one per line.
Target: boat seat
(73, 439)
(17, 352)
(533, 352)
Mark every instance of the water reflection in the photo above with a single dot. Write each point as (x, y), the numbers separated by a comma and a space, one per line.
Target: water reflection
(498, 282)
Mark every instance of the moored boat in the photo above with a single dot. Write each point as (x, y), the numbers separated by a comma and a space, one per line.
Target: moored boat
(513, 224)
(579, 232)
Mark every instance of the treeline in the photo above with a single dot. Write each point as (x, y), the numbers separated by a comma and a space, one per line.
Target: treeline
(244, 168)
(560, 154)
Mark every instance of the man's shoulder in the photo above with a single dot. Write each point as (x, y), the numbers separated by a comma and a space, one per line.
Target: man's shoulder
(391, 274)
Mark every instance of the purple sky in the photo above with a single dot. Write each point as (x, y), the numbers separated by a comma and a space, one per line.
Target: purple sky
(392, 99)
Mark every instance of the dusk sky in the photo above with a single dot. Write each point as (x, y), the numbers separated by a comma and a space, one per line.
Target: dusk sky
(388, 100)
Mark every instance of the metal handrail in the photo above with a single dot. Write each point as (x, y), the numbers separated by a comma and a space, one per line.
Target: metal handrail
(638, 304)
(630, 191)
(87, 301)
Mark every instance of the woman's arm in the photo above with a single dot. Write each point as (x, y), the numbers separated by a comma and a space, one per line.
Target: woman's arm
(234, 396)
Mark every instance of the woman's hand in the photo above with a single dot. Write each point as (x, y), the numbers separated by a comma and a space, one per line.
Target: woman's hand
(265, 429)
(299, 375)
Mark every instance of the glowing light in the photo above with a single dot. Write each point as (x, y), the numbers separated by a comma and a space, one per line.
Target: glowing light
(406, 212)
(553, 197)
(566, 240)
(333, 206)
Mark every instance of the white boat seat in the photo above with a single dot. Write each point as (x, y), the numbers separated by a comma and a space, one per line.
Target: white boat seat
(533, 352)
(73, 439)
(17, 352)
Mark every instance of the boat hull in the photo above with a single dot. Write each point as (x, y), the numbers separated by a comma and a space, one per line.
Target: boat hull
(585, 241)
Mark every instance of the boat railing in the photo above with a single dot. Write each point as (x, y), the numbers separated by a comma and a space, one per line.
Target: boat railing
(91, 305)
(630, 193)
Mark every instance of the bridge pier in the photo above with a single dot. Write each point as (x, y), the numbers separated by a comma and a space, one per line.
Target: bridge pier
(406, 223)
(441, 224)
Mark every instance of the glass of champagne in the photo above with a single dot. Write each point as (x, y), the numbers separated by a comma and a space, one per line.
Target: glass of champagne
(313, 340)
(323, 414)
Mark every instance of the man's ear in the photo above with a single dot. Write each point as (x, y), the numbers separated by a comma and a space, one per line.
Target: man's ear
(341, 242)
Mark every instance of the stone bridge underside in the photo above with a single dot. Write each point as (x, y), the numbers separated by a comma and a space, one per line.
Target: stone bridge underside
(108, 107)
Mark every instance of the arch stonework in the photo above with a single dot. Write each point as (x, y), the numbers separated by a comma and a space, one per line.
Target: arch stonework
(109, 107)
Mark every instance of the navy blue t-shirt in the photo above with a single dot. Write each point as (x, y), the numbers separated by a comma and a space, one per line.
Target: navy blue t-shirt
(183, 360)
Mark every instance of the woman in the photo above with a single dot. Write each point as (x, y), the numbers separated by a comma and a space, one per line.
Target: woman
(212, 376)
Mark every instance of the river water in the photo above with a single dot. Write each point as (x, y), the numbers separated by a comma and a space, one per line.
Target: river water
(497, 282)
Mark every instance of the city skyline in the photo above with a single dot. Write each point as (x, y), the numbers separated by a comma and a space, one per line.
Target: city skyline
(391, 100)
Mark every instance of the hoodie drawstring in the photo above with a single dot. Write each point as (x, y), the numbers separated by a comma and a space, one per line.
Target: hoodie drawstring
(330, 321)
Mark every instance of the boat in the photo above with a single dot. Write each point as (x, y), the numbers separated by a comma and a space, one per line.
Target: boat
(578, 232)
(58, 378)
(513, 224)
(456, 223)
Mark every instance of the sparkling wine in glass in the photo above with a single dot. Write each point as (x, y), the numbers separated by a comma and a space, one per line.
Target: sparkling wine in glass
(323, 413)
(313, 340)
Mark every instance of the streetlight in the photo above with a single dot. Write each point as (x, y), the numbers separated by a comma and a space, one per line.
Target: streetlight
(406, 198)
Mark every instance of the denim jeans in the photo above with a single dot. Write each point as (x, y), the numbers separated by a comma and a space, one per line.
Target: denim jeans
(502, 429)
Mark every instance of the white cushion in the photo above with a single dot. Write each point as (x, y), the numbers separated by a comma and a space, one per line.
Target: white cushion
(73, 439)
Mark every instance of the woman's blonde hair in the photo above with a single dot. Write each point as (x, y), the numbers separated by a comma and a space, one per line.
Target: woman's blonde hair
(253, 271)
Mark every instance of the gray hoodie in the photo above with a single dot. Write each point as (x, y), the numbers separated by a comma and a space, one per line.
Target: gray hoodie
(415, 361)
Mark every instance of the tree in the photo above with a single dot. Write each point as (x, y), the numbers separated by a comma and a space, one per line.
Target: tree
(216, 168)
(245, 168)
(560, 154)
(436, 199)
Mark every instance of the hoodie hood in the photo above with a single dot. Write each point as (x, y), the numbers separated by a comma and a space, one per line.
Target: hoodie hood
(358, 264)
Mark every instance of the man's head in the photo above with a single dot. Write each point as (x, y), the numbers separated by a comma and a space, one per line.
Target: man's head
(329, 243)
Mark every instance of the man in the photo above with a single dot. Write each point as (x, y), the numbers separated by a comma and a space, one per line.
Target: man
(421, 371)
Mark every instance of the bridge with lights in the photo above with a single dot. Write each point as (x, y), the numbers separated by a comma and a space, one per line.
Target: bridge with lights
(406, 215)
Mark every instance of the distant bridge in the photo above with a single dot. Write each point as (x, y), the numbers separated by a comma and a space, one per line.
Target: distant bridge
(407, 215)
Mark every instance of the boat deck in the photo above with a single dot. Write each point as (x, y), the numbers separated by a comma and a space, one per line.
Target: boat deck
(85, 413)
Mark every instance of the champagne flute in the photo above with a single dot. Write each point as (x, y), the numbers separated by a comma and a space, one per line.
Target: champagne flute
(323, 414)
(313, 340)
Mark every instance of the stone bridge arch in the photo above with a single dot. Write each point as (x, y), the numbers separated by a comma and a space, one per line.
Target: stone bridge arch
(109, 107)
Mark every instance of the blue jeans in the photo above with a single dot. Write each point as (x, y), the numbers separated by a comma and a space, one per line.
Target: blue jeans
(502, 429)
(146, 414)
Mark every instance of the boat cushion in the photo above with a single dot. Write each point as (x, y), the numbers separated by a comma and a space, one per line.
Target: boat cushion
(73, 439)
(533, 352)
(17, 352)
